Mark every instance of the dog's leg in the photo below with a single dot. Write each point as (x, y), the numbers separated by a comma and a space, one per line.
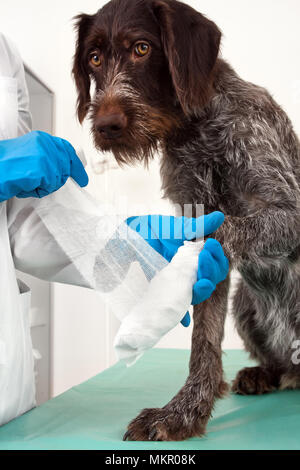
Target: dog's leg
(186, 415)
(268, 333)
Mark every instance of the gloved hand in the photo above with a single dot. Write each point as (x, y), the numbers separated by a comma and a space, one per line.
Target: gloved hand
(166, 234)
(36, 165)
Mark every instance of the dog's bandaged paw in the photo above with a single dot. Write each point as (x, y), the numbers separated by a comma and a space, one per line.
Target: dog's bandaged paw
(162, 306)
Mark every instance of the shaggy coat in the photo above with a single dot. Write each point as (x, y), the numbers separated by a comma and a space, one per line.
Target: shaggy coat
(225, 143)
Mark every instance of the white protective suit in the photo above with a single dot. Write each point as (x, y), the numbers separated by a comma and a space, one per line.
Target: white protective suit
(23, 238)
(16, 358)
(67, 237)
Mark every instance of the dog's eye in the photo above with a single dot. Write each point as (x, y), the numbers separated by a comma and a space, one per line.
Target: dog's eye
(95, 59)
(141, 49)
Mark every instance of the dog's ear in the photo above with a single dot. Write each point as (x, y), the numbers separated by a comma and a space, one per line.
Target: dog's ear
(191, 45)
(80, 72)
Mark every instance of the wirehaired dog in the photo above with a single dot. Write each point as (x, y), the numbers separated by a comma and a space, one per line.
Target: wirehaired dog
(225, 143)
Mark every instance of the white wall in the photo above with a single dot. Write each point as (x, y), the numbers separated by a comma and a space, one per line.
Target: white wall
(261, 41)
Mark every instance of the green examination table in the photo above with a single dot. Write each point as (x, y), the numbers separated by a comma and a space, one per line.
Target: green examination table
(94, 414)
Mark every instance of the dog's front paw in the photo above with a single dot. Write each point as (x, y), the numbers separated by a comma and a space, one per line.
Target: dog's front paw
(160, 424)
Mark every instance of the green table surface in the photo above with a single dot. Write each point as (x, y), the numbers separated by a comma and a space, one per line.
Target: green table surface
(94, 414)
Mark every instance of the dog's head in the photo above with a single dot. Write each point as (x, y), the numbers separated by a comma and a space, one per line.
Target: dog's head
(151, 62)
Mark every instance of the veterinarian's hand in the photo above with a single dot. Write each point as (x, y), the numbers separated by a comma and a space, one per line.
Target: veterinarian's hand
(213, 268)
(166, 234)
(36, 165)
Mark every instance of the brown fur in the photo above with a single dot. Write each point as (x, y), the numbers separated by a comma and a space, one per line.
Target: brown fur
(255, 381)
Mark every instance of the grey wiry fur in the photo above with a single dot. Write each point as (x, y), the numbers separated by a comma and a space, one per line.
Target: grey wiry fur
(243, 159)
(226, 144)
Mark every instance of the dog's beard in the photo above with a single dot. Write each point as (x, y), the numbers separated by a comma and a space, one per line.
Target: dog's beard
(135, 145)
(125, 153)
(147, 125)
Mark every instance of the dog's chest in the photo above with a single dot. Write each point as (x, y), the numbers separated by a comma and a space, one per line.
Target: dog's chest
(194, 177)
(195, 168)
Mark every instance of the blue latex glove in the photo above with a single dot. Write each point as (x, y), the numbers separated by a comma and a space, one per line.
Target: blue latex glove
(36, 165)
(166, 234)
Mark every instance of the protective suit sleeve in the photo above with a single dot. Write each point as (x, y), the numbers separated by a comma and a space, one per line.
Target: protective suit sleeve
(35, 250)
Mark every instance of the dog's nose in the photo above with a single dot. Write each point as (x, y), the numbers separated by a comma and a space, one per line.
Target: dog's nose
(111, 126)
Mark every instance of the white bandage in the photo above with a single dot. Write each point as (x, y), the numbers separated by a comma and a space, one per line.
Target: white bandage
(162, 306)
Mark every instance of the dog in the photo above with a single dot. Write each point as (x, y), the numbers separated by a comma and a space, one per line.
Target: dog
(161, 84)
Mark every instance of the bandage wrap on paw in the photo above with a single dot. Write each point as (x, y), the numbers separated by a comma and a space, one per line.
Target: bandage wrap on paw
(161, 308)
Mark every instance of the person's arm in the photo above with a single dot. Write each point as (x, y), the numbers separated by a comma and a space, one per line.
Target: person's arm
(35, 251)
(37, 164)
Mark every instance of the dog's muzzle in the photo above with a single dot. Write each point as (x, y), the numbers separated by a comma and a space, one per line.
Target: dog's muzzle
(111, 126)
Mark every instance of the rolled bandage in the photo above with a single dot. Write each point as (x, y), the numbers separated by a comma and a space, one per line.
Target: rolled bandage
(162, 306)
